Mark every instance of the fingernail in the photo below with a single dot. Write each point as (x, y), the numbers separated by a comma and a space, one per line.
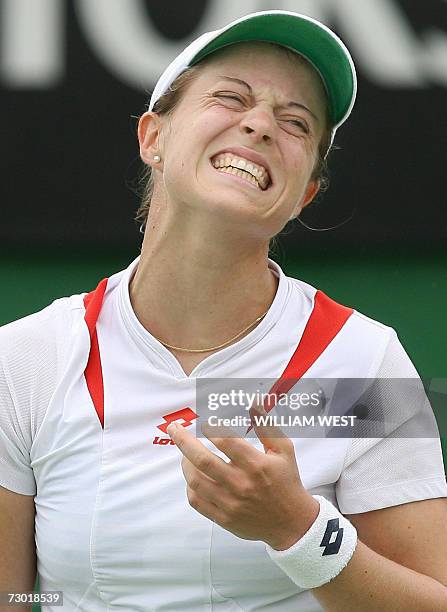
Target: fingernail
(172, 428)
(259, 408)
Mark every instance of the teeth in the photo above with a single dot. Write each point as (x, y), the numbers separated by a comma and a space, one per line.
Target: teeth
(238, 172)
(258, 172)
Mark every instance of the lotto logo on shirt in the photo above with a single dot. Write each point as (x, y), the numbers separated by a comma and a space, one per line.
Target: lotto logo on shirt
(184, 417)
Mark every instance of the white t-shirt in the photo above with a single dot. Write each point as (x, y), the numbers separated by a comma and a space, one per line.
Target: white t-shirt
(114, 529)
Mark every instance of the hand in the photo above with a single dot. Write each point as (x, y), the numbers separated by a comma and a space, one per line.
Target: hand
(256, 496)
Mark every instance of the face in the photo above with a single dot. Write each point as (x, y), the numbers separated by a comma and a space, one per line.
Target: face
(252, 107)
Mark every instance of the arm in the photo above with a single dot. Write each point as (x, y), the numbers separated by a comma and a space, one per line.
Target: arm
(18, 550)
(400, 562)
(258, 497)
(401, 558)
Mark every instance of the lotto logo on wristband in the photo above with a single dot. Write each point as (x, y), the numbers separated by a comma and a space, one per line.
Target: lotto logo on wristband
(332, 529)
(303, 562)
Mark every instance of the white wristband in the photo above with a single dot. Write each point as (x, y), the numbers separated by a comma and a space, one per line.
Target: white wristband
(323, 551)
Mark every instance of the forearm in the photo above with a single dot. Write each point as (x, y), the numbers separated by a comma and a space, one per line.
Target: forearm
(18, 548)
(371, 582)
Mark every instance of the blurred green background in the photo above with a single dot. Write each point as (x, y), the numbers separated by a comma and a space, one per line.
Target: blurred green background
(405, 290)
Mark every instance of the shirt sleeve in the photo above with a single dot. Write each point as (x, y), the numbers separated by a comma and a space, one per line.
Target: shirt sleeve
(15, 470)
(29, 361)
(405, 464)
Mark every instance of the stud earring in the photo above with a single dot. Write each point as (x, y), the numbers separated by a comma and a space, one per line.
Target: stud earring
(157, 158)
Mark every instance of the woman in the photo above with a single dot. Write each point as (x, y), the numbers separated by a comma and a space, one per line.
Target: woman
(134, 513)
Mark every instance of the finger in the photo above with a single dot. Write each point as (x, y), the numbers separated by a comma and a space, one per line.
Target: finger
(203, 485)
(202, 458)
(241, 452)
(205, 507)
(270, 435)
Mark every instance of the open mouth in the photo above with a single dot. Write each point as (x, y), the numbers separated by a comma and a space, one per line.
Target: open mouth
(238, 166)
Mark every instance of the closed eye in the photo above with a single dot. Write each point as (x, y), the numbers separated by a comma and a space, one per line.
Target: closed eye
(229, 96)
(299, 124)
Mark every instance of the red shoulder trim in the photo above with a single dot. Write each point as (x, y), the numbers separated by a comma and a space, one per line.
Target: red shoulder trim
(326, 320)
(93, 371)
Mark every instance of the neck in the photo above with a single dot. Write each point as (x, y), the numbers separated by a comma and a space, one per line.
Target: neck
(196, 293)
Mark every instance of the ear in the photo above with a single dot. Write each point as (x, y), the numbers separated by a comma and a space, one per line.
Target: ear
(312, 189)
(148, 137)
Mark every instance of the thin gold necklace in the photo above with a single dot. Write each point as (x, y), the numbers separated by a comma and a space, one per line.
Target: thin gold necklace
(213, 348)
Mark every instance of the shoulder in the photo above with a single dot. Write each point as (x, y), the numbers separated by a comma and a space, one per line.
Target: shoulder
(33, 353)
(359, 319)
(31, 334)
(53, 327)
(361, 339)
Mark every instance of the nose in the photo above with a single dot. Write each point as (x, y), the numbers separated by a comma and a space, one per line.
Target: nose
(259, 124)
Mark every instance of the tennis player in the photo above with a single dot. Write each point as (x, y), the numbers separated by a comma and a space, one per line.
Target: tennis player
(105, 480)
